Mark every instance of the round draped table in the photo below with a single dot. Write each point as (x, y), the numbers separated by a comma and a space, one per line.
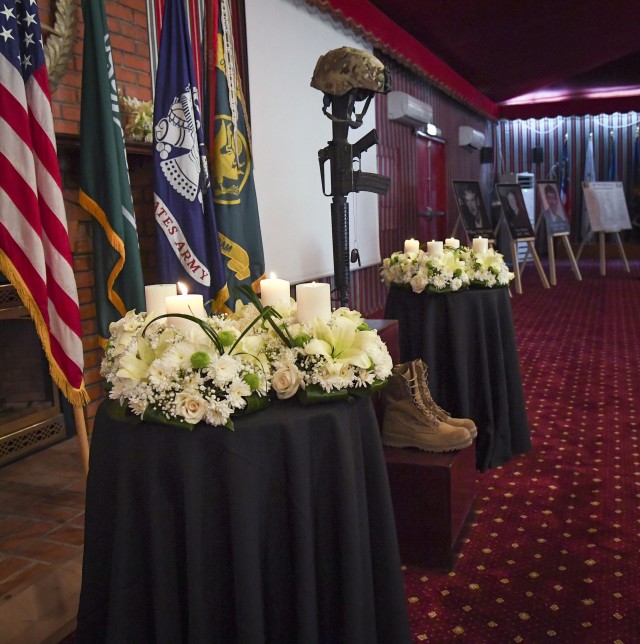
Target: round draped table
(279, 531)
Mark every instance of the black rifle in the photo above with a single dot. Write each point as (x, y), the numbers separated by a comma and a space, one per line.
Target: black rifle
(344, 179)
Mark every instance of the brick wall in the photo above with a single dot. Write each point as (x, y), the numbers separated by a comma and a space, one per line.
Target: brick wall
(127, 21)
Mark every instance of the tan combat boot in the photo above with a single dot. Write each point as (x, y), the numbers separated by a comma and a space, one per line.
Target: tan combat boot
(419, 368)
(409, 423)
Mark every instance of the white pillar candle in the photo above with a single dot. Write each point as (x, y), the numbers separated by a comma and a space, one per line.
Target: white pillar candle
(452, 242)
(480, 245)
(274, 290)
(434, 248)
(411, 245)
(314, 301)
(155, 295)
(187, 303)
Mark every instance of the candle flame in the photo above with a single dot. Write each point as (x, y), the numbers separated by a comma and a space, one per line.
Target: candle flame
(272, 275)
(182, 288)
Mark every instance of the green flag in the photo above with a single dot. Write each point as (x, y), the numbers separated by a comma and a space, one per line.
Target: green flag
(234, 191)
(105, 191)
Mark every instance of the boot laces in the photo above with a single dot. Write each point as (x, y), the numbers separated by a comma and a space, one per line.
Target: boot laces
(414, 388)
(424, 390)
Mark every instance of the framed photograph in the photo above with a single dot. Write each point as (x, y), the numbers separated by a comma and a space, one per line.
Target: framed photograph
(471, 208)
(552, 210)
(515, 212)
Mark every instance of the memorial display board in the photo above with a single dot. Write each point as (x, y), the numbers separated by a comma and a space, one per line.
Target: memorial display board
(606, 206)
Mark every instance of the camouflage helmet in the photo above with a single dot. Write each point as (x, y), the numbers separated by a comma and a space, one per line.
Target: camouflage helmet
(341, 70)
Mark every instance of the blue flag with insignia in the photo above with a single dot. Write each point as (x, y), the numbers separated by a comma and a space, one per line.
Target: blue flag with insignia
(234, 190)
(188, 243)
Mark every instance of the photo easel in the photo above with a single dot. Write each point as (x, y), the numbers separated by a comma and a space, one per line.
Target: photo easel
(608, 213)
(519, 231)
(531, 251)
(556, 225)
(601, 249)
(551, 253)
(470, 206)
(552, 257)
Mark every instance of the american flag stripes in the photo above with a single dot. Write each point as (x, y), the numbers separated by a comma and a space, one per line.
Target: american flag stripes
(34, 245)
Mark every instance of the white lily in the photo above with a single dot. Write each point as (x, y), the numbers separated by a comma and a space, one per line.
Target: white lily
(132, 368)
(341, 343)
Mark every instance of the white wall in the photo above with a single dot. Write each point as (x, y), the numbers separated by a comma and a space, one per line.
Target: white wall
(285, 39)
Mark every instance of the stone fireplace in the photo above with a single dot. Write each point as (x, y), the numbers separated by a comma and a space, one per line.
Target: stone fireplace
(30, 409)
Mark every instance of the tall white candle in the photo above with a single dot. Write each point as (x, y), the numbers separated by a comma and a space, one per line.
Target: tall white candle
(314, 301)
(452, 242)
(188, 303)
(274, 290)
(155, 295)
(434, 248)
(411, 245)
(480, 245)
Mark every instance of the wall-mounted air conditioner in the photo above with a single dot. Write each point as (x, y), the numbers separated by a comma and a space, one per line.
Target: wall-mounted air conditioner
(408, 110)
(469, 137)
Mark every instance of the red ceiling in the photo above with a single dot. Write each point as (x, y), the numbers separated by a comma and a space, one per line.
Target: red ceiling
(586, 52)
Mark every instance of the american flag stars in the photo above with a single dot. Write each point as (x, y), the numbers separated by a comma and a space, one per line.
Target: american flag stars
(17, 24)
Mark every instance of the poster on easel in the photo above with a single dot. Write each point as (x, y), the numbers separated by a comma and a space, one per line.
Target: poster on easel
(520, 229)
(471, 209)
(553, 214)
(515, 211)
(608, 213)
(606, 206)
(557, 226)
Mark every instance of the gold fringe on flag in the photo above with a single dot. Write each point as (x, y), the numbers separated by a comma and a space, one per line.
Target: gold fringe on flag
(76, 397)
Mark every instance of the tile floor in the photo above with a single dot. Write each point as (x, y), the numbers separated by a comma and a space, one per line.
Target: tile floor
(41, 514)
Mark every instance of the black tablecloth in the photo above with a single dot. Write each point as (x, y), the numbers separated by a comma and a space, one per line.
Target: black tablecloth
(468, 342)
(280, 531)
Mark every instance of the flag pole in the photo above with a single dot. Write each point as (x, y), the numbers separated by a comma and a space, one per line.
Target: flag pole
(83, 440)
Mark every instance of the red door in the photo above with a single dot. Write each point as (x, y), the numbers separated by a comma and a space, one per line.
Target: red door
(431, 186)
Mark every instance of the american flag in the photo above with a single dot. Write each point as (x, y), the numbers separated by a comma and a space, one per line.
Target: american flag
(34, 244)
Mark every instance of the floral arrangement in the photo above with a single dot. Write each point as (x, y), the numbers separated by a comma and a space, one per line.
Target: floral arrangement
(488, 270)
(453, 270)
(138, 118)
(232, 364)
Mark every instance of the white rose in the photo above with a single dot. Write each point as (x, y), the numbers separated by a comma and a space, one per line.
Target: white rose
(191, 407)
(419, 283)
(285, 381)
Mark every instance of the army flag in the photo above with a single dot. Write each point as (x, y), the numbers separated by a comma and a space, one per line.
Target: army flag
(188, 244)
(234, 190)
(105, 191)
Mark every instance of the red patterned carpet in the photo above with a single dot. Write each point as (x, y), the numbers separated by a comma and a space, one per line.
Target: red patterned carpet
(552, 553)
